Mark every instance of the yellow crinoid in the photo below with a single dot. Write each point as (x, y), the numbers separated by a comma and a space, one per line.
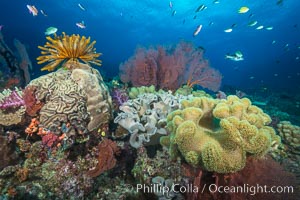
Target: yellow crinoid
(65, 49)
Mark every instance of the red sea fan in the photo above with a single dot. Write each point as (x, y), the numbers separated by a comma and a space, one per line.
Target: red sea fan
(169, 67)
(260, 179)
(267, 173)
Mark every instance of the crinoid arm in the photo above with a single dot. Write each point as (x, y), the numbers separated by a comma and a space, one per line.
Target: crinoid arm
(65, 48)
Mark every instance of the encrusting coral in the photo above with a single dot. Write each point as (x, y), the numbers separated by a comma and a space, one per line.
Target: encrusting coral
(290, 134)
(66, 49)
(12, 109)
(218, 134)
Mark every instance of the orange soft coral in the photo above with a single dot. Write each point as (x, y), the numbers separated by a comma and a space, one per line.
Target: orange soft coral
(33, 127)
(68, 49)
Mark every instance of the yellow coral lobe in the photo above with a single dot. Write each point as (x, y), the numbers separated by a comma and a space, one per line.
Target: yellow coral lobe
(218, 135)
(63, 49)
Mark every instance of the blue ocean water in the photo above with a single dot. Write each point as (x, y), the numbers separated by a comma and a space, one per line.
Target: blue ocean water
(119, 26)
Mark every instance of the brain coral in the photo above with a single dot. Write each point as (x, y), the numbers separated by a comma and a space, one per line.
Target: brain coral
(77, 96)
(217, 135)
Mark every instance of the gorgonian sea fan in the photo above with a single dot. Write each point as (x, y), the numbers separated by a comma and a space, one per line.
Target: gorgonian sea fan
(65, 48)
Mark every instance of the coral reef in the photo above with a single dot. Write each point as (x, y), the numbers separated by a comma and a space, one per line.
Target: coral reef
(169, 68)
(257, 178)
(99, 102)
(146, 168)
(11, 99)
(106, 160)
(120, 96)
(185, 90)
(66, 49)
(8, 155)
(218, 134)
(116, 188)
(77, 96)
(290, 134)
(32, 105)
(12, 118)
(134, 92)
(289, 154)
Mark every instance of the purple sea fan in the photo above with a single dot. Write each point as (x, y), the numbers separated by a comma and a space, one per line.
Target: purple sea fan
(119, 96)
(11, 99)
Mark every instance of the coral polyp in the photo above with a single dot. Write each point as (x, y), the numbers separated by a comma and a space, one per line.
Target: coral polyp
(64, 49)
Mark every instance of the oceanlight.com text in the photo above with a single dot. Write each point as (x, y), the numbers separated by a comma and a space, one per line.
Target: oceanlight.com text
(250, 189)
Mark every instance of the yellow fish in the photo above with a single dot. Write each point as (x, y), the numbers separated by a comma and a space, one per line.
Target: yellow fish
(243, 9)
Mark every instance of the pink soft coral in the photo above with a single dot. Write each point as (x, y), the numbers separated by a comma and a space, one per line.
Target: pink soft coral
(13, 100)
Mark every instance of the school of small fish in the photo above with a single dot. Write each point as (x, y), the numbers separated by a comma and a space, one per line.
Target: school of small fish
(52, 30)
(237, 56)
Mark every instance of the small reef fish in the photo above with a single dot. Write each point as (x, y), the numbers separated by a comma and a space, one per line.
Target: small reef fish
(269, 28)
(259, 27)
(201, 8)
(252, 23)
(171, 4)
(80, 24)
(243, 9)
(32, 9)
(274, 41)
(174, 13)
(81, 7)
(237, 56)
(228, 30)
(197, 31)
(216, 1)
(1, 27)
(233, 25)
(43, 13)
(51, 30)
(279, 2)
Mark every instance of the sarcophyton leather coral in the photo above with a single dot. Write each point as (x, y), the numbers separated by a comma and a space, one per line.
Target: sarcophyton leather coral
(217, 135)
(68, 48)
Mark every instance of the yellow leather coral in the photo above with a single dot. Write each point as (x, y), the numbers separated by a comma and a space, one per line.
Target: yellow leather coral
(65, 49)
(217, 135)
